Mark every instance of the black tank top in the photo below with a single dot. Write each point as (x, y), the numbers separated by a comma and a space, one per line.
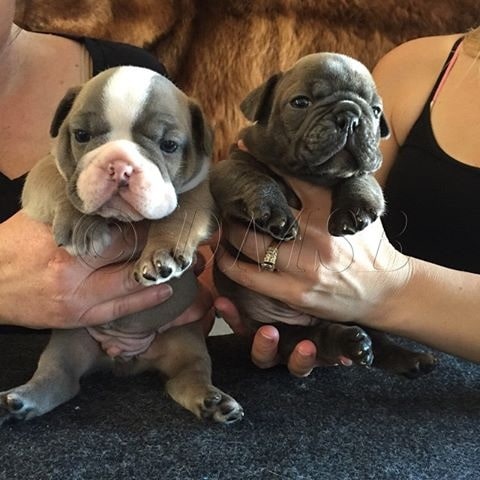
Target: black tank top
(104, 55)
(433, 202)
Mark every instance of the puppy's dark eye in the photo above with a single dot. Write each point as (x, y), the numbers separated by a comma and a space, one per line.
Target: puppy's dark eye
(82, 136)
(300, 102)
(377, 111)
(168, 146)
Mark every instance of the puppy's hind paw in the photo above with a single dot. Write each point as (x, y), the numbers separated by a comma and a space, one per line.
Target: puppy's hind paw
(220, 407)
(14, 408)
(419, 365)
(357, 346)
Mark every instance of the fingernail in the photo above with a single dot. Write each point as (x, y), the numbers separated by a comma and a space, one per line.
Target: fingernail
(305, 352)
(267, 337)
(346, 362)
(112, 352)
(164, 291)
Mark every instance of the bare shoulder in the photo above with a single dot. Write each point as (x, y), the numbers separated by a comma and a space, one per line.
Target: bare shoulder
(416, 60)
(405, 76)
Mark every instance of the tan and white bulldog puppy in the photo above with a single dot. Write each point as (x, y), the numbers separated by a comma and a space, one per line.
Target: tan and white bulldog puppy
(130, 146)
(321, 121)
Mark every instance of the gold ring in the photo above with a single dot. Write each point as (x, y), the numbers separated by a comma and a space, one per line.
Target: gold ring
(270, 258)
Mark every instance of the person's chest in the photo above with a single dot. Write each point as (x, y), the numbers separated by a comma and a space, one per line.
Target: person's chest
(27, 111)
(455, 116)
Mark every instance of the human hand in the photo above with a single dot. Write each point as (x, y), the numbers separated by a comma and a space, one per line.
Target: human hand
(334, 278)
(42, 286)
(264, 350)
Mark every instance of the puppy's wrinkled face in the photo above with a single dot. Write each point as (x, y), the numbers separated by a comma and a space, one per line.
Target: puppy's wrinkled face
(128, 142)
(324, 114)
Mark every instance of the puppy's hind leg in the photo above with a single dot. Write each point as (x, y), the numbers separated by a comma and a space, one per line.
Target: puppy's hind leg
(400, 360)
(68, 355)
(332, 340)
(183, 357)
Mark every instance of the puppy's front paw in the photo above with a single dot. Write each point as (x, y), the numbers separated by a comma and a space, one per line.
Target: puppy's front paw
(86, 236)
(219, 407)
(349, 221)
(13, 407)
(162, 265)
(274, 219)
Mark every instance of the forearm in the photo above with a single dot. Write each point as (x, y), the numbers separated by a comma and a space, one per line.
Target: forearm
(438, 307)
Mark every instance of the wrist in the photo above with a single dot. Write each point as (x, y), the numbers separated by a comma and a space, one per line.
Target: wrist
(438, 307)
(395, 311)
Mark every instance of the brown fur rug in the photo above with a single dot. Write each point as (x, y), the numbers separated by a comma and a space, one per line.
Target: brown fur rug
(218, 51)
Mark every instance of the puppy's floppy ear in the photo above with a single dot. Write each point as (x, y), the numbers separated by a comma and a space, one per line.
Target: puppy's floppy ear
(201, 131)
(258, 103)
(384, 128)
(63, 108)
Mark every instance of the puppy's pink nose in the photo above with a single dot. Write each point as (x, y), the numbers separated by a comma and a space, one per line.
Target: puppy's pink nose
(120, 172)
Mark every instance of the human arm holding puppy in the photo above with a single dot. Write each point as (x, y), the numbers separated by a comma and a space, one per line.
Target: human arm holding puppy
(42, 286)
(421, 300)
(361, 279)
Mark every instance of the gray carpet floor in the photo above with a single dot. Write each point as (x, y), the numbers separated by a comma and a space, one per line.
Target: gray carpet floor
(339, 423)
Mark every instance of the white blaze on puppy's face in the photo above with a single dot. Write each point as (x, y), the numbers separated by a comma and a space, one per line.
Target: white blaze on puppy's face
(116, 179)
(124, 97)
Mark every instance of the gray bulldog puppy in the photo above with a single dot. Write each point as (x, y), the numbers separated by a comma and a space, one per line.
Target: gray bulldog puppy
(321, 121)
(130, 146)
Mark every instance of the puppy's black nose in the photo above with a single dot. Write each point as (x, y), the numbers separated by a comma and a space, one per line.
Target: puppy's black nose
(347, 120)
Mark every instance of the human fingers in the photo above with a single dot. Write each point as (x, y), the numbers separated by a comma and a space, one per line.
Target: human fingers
(204, 260)
(312, 247)
(249, 275)
(227, 310)
(112, 292)
(251, 243)
(265, 352)
(303, 359)
(265, 347)
(199, 265)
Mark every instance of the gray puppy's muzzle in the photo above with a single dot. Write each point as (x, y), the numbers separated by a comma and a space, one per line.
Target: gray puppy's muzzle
(347, 115)
(342, 132)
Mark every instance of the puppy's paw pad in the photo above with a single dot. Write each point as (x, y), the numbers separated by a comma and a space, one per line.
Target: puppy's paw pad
(161, 266)
(419, 365)
(220, 407)
(364, 217)
(357, 346)
(279, 223)
(13, 407)
(348, 222)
